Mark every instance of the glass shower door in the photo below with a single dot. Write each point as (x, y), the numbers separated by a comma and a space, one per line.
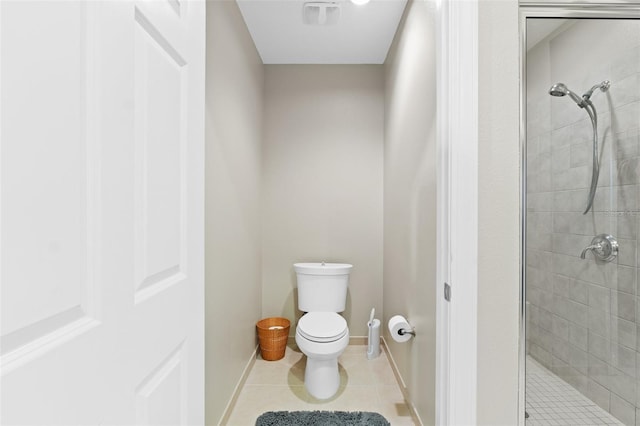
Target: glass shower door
(581, 285)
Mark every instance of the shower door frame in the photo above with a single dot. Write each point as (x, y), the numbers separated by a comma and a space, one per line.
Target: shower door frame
(561, 10)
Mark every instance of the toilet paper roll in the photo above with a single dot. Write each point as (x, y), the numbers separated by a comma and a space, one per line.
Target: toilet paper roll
(395, 324)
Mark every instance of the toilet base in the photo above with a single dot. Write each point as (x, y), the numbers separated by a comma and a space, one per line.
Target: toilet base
(321, 377)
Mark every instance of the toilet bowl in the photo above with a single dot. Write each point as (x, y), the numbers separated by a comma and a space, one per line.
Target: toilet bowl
(322, 337)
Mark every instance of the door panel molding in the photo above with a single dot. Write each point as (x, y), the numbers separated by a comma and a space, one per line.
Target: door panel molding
(26, 339)
(160, 164)
(171, 373)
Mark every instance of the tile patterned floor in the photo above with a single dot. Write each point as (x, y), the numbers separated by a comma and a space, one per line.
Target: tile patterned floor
(365, 385)
(552, 401)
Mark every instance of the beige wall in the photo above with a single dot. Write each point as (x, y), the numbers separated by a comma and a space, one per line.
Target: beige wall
(410, 200)
(498, 213)
(234, 100)
(322, 182)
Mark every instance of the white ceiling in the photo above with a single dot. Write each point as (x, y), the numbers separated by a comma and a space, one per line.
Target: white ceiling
(362, 35)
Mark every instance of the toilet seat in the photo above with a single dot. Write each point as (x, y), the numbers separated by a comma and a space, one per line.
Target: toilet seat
(322, 327)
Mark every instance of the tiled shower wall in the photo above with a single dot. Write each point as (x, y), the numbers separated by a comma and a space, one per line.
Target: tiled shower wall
(582, 315)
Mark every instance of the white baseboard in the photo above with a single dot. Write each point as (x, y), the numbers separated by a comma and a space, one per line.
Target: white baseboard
(405, 392)
(236, 391)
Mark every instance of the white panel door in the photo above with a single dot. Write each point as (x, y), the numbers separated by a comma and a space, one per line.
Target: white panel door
(101, 204)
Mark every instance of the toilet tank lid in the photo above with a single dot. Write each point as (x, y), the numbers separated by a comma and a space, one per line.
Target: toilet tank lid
(322, 268)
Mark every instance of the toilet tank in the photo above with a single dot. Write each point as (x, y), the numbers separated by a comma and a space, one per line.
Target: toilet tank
(322, 287)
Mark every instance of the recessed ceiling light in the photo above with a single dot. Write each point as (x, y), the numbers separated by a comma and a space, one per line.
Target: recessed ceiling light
(359, 2)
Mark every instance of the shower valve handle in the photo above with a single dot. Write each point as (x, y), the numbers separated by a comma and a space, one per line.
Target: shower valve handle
(597, 248)
(604, 247)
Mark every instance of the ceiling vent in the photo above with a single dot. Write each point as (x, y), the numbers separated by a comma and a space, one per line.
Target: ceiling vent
(321, 13)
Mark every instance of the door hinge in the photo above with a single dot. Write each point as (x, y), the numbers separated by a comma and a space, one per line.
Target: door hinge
(447, 292)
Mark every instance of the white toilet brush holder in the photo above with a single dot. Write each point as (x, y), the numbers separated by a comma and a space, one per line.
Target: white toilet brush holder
(373, 344)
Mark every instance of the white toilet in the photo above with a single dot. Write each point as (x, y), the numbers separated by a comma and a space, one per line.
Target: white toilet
(322, 334)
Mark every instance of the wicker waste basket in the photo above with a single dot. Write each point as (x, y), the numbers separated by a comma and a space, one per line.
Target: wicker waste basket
(273, 334)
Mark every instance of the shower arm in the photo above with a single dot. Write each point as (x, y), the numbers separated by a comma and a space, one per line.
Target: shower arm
(604, 86)
(595, 172)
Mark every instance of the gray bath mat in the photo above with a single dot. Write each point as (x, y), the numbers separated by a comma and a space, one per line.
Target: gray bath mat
(321, 418)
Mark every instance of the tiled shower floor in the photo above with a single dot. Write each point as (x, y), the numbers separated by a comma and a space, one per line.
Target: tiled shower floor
(552, 401)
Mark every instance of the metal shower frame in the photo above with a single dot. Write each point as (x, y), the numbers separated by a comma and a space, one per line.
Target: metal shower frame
(532, 10)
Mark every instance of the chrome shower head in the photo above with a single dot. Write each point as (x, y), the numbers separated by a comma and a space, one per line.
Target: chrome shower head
(560, 89)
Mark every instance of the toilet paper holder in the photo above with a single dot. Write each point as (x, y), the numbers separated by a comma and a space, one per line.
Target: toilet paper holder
(400, 329)
(403, 331)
